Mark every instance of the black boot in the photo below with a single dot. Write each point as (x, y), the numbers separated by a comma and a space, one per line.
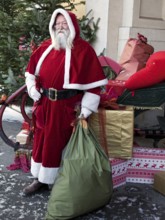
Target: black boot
(34, 187)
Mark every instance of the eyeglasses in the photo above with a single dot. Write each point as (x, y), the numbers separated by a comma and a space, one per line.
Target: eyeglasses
(61, 24)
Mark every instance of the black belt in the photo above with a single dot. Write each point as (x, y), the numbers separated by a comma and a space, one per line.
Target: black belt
(54, 94)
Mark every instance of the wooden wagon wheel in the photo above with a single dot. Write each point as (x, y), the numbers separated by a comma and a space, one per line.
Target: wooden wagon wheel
(20, 93)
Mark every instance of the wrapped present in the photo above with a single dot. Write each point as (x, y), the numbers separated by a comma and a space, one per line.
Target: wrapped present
(144, 164)
(159, 182)
(22, 136)
(25, 136)
(119, 171)
(114, 130)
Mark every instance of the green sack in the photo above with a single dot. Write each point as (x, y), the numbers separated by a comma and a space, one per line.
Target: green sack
(84, 181)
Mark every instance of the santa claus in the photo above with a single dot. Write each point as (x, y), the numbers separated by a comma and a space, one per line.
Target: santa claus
(64, 72)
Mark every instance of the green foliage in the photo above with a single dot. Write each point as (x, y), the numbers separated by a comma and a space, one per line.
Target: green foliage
(24, 23)
(89, 28)
(109, 72)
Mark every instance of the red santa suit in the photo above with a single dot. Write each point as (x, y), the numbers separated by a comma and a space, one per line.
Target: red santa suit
(77, 68)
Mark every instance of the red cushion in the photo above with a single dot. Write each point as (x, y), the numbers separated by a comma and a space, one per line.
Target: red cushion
(153, 73)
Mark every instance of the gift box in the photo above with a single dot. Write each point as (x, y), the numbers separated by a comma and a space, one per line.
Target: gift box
(144, 163)
(22, 136)
(119, 171)
(159, 182)
(114, 130)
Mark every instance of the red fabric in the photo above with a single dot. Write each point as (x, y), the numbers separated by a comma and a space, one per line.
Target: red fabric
(21, 161)
(85, 67)
(52, 119)
(118, 86)
(52, 135)
(153, 73)
(113, 90)
(75, 23)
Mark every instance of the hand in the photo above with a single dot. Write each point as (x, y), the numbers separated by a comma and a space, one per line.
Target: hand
(34, 94)
(75, 122)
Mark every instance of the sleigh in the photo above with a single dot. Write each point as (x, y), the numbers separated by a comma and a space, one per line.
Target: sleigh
(146, 99)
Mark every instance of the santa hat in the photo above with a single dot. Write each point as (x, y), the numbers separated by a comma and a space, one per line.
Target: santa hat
(74, 32)
(71, 21)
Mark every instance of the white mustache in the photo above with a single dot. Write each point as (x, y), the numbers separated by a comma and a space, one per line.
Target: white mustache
(61, 39)
(61, 31)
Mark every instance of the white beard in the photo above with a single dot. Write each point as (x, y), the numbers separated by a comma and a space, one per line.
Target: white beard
(61, 39)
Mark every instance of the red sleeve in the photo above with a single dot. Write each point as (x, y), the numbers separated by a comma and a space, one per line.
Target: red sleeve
(95, 90)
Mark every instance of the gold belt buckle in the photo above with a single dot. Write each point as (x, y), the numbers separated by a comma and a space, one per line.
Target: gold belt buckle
(55, 94)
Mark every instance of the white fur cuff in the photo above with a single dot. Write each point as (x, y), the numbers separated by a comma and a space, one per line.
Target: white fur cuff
(29, 76)
(85, 113)
(90, 101)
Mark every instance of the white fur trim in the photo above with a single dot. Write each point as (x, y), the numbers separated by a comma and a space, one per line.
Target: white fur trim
(72, 36)
(35, 168)
(45, 53)
(44, 174)
(67, 52)
(31, 87)
(85, 86)
(68, 19)
(47, 175)
(85, 112)
(67, 66)
(90, 101)
(30, 76)
(30, 81)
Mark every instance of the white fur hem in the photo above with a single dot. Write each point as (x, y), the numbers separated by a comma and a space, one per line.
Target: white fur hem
(30, 76)
(45, 53)
(85, 86)
(44, 174)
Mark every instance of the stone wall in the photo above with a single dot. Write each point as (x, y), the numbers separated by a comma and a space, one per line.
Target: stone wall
(123, 19)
